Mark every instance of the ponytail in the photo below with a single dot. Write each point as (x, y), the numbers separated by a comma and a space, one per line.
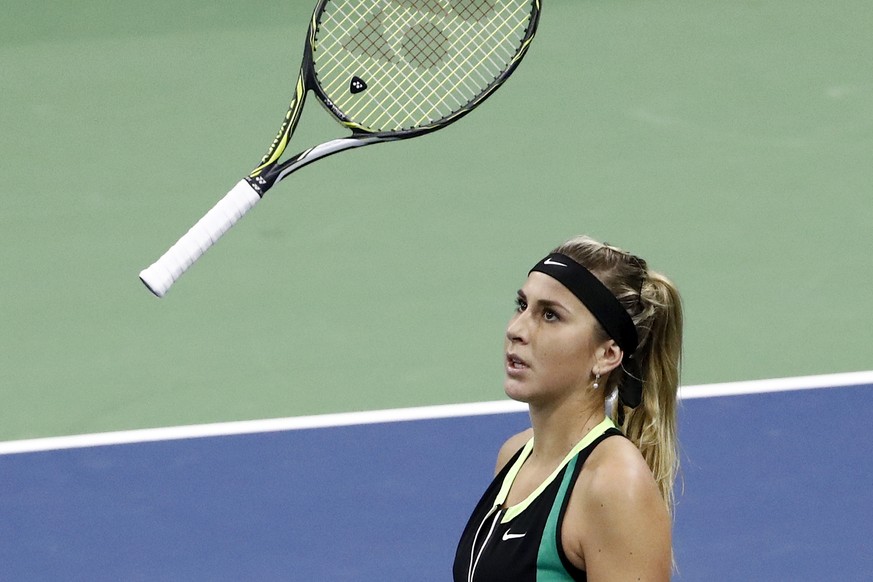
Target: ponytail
(651, 426)
(655, 306)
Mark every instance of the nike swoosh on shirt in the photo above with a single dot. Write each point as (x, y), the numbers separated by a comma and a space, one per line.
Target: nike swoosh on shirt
(512, 536)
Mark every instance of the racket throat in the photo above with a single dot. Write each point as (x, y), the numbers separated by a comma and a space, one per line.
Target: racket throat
(267, 179)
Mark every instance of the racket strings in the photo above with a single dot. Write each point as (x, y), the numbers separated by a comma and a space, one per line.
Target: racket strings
(425, 45)
(465, 88)
(466, 9)
(393, 99)
(496, 68)
(426, 5)
(473, 9)
(404, 96)
(369, 41)
(423, 60)
(340, 68)
(458, 67)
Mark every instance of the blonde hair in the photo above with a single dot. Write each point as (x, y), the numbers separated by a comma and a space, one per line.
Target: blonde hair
(655, 306)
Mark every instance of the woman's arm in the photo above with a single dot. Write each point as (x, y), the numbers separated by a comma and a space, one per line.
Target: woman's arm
(617, 527)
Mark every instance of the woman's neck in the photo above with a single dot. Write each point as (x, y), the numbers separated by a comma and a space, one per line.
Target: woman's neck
(558, 428)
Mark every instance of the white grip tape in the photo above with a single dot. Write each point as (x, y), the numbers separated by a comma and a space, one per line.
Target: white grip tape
(164, 272)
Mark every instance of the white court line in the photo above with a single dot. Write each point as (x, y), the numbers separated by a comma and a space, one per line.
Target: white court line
(400, 414)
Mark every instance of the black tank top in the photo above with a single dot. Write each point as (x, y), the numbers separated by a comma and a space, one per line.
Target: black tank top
(522, 543)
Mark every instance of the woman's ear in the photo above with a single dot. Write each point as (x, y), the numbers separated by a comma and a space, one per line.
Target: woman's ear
(608, 357)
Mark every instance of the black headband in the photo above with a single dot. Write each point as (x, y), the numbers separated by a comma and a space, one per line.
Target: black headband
(606, 308)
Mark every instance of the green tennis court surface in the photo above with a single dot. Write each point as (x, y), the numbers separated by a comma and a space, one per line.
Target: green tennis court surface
(727, 143)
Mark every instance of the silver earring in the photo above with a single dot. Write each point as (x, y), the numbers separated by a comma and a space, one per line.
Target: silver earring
(596, 381)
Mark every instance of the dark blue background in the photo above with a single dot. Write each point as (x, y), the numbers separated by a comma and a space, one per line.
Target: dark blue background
(776, 487)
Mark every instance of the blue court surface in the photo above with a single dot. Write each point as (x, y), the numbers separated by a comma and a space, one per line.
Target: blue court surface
(775, 486)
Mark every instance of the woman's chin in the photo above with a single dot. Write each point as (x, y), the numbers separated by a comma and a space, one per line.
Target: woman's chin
(516, 390)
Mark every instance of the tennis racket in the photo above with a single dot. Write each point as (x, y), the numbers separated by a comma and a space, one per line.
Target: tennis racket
(386, 70)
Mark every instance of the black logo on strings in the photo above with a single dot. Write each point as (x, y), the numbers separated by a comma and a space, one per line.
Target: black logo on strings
(357, 85)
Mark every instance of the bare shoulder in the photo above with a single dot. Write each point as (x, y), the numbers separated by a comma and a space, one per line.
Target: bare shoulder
(617, 460)
(510, 447)
(617, 525)
(617, 487)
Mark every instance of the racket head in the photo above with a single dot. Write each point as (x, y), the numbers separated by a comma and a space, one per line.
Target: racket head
(398, 68)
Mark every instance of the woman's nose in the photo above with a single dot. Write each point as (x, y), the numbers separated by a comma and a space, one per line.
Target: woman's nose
(517, 330)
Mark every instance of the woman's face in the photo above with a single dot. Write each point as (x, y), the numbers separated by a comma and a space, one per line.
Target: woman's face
(551, 343)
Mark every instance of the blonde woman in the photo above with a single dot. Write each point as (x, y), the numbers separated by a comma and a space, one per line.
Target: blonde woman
(586, 493)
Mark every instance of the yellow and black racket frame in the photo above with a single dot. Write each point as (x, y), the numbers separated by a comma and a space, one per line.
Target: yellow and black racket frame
(270, 170)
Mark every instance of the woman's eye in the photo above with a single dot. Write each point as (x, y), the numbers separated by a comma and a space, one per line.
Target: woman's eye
(550, 315)
(520, 305)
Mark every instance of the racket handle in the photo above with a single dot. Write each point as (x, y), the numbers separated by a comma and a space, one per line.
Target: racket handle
(161, 275)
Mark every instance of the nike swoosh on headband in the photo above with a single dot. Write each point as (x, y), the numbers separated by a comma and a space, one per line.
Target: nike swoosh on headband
(551, 262)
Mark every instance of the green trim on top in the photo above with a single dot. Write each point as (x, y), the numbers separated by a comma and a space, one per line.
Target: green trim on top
(549, 565)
